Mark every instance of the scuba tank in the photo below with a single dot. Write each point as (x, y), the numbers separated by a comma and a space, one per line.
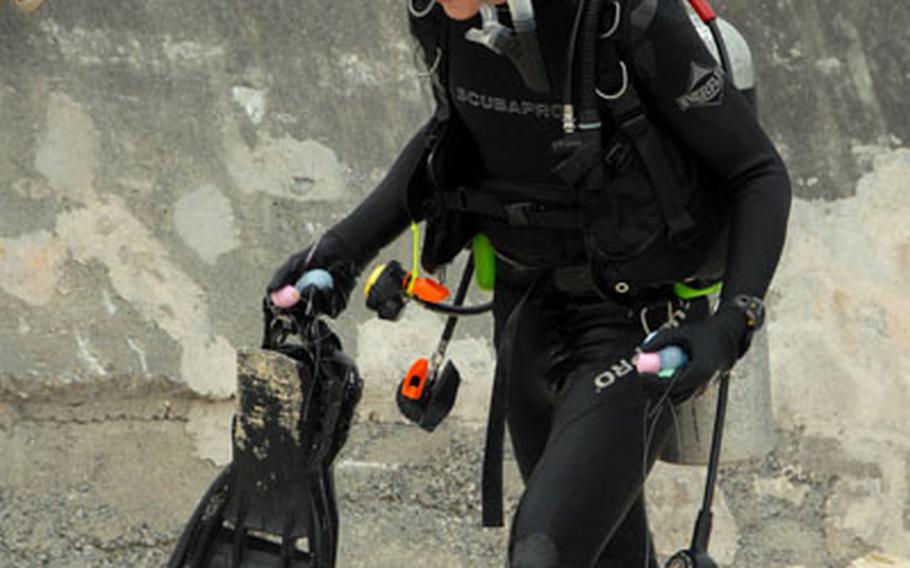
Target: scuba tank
(750, 428)
(742, 67)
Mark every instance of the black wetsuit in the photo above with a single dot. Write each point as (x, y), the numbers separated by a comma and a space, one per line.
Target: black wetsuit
(583, 430)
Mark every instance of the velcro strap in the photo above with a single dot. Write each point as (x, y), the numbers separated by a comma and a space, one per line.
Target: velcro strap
(576, 166)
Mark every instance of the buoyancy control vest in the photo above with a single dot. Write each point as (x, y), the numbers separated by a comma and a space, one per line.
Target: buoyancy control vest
(650, 212)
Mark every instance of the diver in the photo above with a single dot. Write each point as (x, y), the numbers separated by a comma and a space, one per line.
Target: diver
(618, 173)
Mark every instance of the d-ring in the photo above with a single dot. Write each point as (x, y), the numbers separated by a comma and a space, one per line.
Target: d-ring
(432, 69)
(622, 90)
(617, 10)
(420, 13)
(643, 317)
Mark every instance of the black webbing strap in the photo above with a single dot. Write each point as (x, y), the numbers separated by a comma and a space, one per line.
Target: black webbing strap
(491, 492)
(575, 167)
(431, 32)
(653, 155)
(628, 115)
(518, 214)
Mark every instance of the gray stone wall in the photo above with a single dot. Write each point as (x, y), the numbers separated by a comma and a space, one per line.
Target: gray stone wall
(159, 159)
(832, 77)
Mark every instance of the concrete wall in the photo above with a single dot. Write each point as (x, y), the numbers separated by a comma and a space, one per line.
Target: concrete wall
(833, 76)
(159, 159)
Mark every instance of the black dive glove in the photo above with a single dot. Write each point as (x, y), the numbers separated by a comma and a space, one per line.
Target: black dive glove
(328, 253)
(713, 346)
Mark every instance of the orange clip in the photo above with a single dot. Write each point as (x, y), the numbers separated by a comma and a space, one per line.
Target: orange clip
(429, 290)
(416, 380)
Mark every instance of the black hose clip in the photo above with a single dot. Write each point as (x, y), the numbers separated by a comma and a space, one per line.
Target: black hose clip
(426, 395)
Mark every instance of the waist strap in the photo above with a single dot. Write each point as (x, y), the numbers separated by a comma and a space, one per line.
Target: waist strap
(578, 280)
(563, 217)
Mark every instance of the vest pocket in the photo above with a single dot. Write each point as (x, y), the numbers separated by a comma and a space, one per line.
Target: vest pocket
(626, 227)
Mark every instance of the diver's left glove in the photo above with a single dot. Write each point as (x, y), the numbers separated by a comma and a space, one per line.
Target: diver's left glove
(328, 253)
(713, 346)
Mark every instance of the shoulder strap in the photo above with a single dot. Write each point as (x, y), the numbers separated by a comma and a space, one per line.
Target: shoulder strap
(429, 27)
(622, 107)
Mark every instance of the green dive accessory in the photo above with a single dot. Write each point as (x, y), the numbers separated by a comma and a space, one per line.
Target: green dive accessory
(684, 292)
(484, 262)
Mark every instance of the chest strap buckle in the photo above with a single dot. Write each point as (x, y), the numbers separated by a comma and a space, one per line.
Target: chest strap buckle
(519, 214)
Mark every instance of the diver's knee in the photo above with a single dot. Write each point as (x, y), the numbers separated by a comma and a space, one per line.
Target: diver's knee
(536, 550)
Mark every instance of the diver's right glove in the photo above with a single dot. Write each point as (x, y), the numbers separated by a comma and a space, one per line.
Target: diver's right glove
(328, 253)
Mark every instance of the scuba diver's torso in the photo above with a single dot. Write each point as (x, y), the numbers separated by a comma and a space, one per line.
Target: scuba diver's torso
(513, 129)
(699, 156)
(512, 125)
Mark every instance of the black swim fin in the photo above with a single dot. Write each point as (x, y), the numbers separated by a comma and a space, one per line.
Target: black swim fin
(275, 504)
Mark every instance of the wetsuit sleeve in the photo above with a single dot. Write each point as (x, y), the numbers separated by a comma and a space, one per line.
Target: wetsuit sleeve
(668, 57)
(390, 208)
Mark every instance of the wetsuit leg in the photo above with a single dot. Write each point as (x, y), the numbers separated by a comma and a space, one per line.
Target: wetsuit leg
(583, 506)
(530, 398)
(631, 544)
(529, 426)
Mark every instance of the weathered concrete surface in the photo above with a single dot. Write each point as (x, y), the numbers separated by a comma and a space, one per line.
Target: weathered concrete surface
(80, 490)
(159, 159)
(87, 495)
(832, 77)
(839, 336)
